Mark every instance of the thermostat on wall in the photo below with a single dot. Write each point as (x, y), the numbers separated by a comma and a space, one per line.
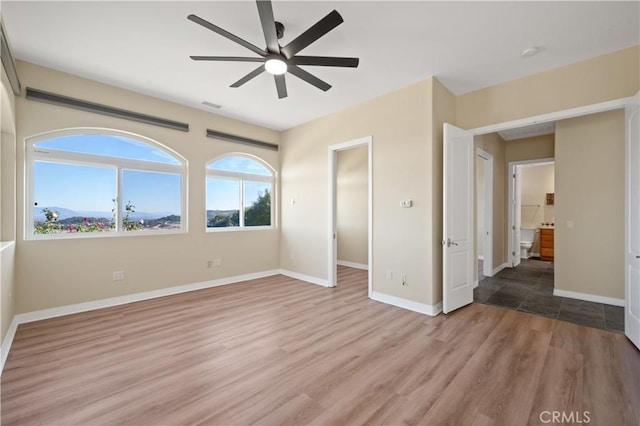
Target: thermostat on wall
(406, 203)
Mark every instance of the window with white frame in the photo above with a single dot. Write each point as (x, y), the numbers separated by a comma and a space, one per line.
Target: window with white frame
(239, 193)
(101, 182)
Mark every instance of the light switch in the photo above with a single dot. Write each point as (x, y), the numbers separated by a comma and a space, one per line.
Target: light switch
(570, 224)
(406, 203)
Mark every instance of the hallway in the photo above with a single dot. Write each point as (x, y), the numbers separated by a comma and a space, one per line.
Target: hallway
(529, 288)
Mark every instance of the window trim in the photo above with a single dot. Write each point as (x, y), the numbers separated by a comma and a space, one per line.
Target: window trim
(242, 177)
(33, 154)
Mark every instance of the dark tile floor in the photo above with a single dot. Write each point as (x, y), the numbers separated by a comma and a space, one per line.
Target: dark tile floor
(529, 288)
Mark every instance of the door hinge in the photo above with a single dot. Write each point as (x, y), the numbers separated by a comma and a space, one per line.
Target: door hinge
(513, 227)
(513, 253)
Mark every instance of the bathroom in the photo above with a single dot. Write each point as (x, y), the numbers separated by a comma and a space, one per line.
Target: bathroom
(536, 210)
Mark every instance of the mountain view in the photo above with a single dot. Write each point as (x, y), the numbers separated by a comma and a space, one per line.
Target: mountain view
(55, 220)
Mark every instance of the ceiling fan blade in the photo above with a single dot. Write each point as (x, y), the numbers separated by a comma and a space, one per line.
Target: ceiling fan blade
(281, 86)
(227, 34)
(320, 28)
(226, 58)
(309, 78)
(325, 61)
(249, 76)
(265, 10)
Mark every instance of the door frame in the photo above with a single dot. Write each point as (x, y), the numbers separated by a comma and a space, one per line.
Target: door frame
(487, 240)
(332, 253)
(611, 105)
(511, 171)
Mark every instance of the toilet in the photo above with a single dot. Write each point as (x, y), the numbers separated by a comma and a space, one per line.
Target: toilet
(527, 236)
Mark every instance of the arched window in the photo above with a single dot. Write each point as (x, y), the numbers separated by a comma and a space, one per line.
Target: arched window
(94, 182)
(239, 193)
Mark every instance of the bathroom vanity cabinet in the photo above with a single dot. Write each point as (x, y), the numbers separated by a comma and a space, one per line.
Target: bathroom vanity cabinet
(546, 244)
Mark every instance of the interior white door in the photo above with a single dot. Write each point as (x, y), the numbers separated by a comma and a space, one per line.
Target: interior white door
(457, 217)
(517, 216)
(632, 213)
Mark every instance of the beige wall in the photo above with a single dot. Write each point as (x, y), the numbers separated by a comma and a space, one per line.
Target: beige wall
(533, 148)
(495, 145)
(589, 257)
(351, 200)
(595, 80)
(400, 126)
(406, 127)
(62, 272)
(7, 204)
(536, 182)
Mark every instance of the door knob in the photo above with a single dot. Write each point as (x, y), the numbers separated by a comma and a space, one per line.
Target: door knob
(451, 243)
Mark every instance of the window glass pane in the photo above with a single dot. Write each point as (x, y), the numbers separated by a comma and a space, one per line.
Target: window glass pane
(72, 198)
(223, 202)
(150, 200)
(239, 164)
(257, 203)
(109, 145)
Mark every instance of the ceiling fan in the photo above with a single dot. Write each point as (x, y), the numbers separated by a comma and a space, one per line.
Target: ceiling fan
(278, 60)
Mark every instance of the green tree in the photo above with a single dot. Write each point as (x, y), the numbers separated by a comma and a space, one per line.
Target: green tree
(127, 223)
(49, 226)
(224, 220)
(259, 213)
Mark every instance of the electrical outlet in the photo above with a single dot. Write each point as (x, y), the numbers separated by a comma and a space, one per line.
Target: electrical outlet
(404, 278)
(217, 263)
(118, 275)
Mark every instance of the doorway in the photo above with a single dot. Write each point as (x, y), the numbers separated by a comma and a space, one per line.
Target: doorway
(333, 234)
(484, 216)
(531, 200)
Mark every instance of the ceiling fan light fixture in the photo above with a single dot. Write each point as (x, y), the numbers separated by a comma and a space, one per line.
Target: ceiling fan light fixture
(275, 66)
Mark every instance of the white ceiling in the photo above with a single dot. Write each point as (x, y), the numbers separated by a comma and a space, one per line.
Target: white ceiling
(145, 46)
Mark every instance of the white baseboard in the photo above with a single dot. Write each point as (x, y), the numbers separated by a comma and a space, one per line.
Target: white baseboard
(589, 297)
(422, 308)
(136, 297)
(119, 300)
(499, 268)
(6, 343)
(353, 265)
(303, 277)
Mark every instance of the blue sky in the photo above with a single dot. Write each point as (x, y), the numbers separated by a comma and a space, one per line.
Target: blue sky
(92, 188)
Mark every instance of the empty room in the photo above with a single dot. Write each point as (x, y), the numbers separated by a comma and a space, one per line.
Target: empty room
(319, 213)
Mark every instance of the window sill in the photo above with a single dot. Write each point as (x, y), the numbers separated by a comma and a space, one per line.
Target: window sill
(238, 229)
(94, 235)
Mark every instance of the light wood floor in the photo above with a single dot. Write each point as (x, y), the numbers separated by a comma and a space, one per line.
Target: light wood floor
(278, 351)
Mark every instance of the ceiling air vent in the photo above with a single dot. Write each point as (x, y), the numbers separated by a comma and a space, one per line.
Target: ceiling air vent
(211, 105)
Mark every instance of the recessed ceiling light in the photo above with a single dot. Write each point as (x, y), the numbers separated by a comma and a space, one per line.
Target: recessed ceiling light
(530, 51)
